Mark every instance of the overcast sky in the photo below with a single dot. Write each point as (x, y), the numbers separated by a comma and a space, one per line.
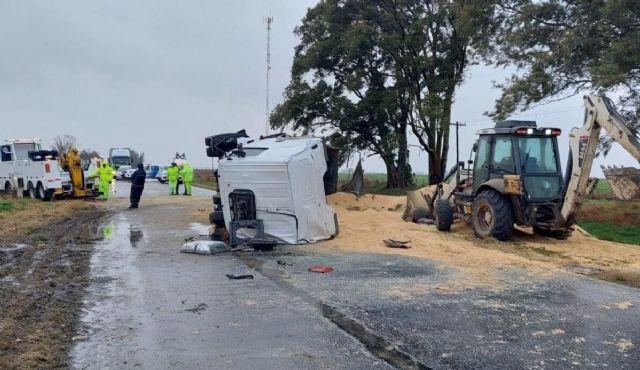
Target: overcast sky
(159, 76)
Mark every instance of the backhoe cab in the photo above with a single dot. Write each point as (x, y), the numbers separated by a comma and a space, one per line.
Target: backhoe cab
(516, 179)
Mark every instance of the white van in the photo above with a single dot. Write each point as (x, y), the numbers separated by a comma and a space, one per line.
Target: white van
(25, 165)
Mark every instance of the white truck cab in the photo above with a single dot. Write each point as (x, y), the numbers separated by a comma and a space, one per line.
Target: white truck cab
(25, 166)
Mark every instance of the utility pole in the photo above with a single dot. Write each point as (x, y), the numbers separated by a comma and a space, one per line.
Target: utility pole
(268, 20)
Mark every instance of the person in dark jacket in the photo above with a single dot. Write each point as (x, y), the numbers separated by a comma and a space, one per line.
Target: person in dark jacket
(137, 185)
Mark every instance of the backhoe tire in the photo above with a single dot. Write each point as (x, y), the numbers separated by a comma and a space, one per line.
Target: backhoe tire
(556, 234)
(444, 215)
(492, 216)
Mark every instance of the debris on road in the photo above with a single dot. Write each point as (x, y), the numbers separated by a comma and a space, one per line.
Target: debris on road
(239, 277)
(323, 269)
(397, 244)
(79, 338)
(284, 263)
(205, 247)
(198, 308)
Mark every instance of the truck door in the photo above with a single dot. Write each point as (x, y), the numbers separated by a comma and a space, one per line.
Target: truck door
(481, 164)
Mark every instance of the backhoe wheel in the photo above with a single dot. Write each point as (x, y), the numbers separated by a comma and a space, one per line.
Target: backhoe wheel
(492, 216)
(444, 215)
(556, 234)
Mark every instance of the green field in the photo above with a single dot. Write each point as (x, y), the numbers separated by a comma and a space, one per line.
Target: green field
(375, 183)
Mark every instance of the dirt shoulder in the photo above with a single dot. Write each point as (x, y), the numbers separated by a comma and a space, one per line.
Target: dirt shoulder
(45, 251)
(365, 222)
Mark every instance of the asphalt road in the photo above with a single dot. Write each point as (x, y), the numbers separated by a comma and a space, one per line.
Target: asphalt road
(150, 306)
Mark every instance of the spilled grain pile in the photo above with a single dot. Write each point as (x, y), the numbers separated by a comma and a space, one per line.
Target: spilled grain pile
(367, 221)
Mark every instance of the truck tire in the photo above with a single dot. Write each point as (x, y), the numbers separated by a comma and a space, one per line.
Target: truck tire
(556, 234)
(31, 190)
(48, 195)
(492, 216)
(444, 215)
(217, 218)
(40, 191)
(7, 187)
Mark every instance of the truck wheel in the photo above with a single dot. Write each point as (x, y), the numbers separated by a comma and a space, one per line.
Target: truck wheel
(31, 191)
(40, 191)
(556, 234)
(217, 218)
(444, 215)
(48, 195)
(7, 187)
(492, 216)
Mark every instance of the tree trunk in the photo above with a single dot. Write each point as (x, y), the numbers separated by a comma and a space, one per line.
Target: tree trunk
(436, 169)
(403, 166)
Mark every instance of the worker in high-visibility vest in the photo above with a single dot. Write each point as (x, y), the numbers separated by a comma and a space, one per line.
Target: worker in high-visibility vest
(187, 178)
(105, 174)
(173, 174)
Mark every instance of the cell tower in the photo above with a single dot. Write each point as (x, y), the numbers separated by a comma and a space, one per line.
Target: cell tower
(268, 21)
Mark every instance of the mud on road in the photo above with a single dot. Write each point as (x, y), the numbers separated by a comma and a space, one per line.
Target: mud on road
(43, 272)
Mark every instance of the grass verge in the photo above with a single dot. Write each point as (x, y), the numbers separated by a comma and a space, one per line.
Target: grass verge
(628, 234)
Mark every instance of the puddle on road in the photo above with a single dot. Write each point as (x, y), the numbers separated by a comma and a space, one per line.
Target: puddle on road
(109, 307)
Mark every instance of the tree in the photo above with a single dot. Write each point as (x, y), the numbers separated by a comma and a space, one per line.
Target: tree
(379, 66)
(431, 44)
(341, 87)
(565, 47)
(63, 144)
(136, 157)
(88, 154)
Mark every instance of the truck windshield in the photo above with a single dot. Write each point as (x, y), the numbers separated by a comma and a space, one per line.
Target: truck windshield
(121, 161)
(537, 155)
(22, 150)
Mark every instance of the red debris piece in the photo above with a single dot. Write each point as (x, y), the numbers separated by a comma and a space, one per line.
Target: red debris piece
(323, 269)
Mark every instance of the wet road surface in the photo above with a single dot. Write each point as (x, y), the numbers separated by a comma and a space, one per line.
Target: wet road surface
(152, 307)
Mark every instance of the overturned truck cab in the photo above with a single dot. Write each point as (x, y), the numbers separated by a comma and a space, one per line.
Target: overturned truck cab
(273, 190)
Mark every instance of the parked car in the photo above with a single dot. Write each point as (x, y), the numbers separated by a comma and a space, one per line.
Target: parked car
(162, 176)
(152, 171)
(120, 172)
(129, 173)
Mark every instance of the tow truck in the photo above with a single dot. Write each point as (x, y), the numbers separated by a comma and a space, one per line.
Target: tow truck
(26, 167)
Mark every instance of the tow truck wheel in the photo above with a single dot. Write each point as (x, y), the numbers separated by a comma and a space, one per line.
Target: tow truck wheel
(492, 216)
(48, 195)
(31, 191)
(444, 215)
(40, 191)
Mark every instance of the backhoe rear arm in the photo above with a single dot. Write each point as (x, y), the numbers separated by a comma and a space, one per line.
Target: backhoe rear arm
(583, 143)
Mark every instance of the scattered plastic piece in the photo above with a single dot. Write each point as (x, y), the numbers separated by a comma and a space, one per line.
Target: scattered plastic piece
(199, 308)
(239, 277)
(284, 263)
(205, 247)
(397, 244)
(323, 269)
